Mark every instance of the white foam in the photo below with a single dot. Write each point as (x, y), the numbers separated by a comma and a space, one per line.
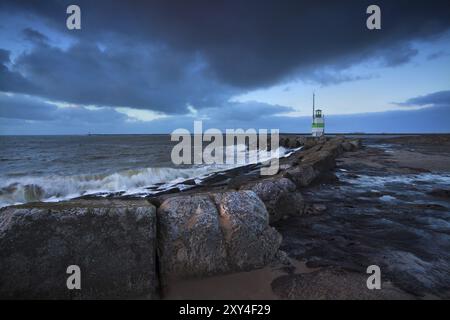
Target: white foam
(129, 182)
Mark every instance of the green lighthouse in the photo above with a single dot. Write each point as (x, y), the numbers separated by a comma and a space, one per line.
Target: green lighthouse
(318, 123)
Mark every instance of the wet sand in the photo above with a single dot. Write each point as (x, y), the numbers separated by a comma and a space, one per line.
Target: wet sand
(255, 284)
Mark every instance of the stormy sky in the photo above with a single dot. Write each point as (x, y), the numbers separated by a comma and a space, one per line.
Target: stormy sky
(154, 66)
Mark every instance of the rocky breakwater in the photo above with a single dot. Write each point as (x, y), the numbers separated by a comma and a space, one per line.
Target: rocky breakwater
(317, 159)
(314, 162)
(112, 242)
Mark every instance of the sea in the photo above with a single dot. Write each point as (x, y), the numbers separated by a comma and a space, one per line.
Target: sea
(55, 168)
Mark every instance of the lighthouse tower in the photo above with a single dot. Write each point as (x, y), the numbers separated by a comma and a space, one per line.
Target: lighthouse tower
(318, 123)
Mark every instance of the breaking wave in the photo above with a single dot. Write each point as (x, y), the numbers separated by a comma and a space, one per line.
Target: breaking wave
(142, 181)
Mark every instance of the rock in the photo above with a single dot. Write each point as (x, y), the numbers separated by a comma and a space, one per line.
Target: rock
(347, 146)
(209, 234)
(333, 283)
(292, 142)
(334, 146)
(302, 175)
(316, 159)
(279, 196)
(244, 219)
(356, 143)
(283, 141)
(309, 143)
(327, 177)
(113, 243)
(281, 258)
(190, 238)
(309, 151)
(295, 142)
(236, 182)
(321, 160)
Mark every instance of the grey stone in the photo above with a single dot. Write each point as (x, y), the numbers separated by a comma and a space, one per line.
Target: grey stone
(302, 176)
(113, 243)
(208, 234)
(191, 242)
(347, 146)
(279, 196)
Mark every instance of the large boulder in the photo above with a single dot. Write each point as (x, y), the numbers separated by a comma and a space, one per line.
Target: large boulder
(112, 242)
(302, 175)
(356, 143)
(347, 146)
(190, 238)
(279, 196)
(321, 161)
(292, 142)
(333, 283)
(206, 234)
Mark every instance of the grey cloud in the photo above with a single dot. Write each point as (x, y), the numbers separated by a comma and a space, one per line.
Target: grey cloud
(326, 78)
(4, 56)
(26, 108)
(437, 55)
(11, 81)
(164, 55)
(398, 55)
(22, 107)
(243, 111)
(34, 35)
(440, 98)
(148, 78)
(258, 43)
(428, 120)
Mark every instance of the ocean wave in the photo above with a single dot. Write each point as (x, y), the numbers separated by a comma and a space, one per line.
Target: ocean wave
(19, 190)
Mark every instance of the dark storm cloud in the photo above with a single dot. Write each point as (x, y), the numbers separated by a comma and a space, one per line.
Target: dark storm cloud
(148, 77)
(11, 81)
(398, 55)
(245, 110)
(440, 98)
(326, 78)
(26, 108)
(163, 55)
(4, 56)
(437, 55)
(22, 107)
(34, 35)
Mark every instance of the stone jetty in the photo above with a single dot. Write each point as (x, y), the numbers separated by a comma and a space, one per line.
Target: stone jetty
(130, 248)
